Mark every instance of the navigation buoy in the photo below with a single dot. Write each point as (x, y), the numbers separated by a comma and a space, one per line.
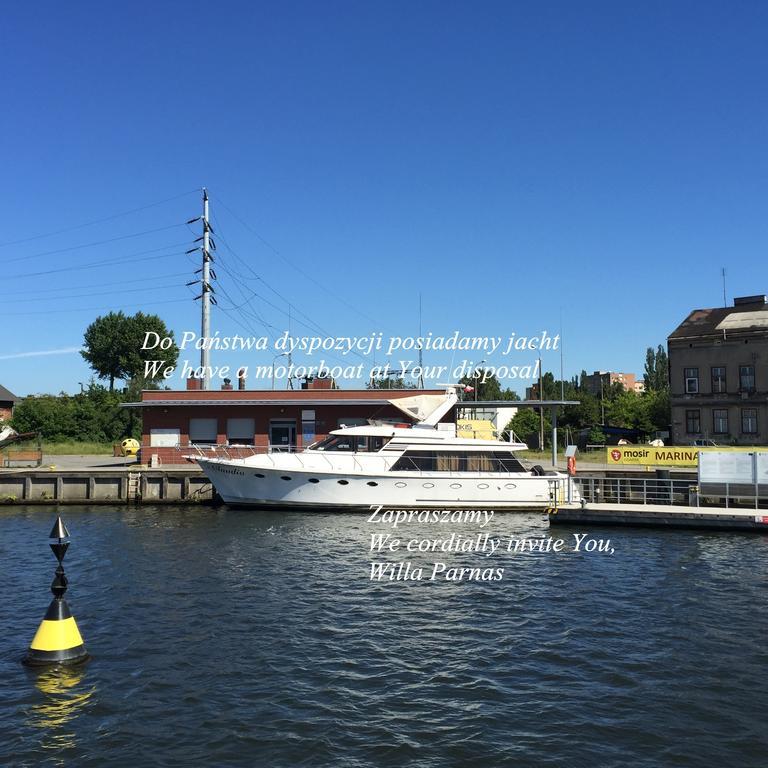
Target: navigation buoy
(58, 640)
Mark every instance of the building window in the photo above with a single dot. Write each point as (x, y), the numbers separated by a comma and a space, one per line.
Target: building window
(749, 421)
(240, 431)
(203, 431)
(693, 422)
(718, 380)
(164, 438)
(720, 421)
(691, 381)
(747, 378)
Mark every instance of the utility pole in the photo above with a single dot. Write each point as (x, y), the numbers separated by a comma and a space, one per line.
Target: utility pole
(205, 354)
(541, 407)
(289, 383)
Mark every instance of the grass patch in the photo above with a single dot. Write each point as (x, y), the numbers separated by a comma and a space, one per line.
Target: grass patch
(77, 448)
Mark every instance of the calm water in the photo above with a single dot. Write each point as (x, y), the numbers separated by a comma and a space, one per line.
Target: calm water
(257, 639)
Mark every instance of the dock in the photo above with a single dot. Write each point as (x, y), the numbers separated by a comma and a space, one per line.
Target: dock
(661, 516)
(115, 484)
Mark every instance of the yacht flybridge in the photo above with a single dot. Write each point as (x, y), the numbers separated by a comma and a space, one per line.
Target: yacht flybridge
(393, 465)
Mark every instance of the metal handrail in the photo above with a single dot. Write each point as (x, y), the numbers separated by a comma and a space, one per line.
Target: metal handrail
(645, 490)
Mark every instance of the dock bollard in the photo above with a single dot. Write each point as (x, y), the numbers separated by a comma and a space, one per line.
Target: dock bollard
(58, 639)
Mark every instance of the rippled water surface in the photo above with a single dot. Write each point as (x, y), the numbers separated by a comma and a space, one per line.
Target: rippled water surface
(235, 638)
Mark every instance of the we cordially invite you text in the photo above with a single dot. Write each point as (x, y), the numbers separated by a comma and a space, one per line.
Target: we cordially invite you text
(405, 551)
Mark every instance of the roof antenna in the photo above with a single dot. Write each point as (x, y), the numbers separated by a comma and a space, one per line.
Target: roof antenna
(725, 301)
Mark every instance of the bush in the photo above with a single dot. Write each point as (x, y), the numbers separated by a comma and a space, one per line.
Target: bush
(94, 416)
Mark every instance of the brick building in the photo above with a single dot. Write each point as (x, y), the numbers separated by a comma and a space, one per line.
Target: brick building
(718, 374)
(7, 401)
(242, 420)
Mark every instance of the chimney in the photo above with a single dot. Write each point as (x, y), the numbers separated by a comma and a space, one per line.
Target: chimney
(742, 300)
(319, 382)
(241, 382)
(227, 385)
(193, 383)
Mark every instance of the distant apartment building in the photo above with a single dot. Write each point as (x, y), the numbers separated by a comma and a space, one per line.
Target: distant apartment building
(600, 381)
(718, 369)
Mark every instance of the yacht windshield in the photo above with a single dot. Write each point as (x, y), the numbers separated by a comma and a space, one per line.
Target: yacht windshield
(351, 443)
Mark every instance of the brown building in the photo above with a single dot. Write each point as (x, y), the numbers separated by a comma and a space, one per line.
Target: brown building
(718, 368)
(7, 401)
(242, 420)
(600, 381)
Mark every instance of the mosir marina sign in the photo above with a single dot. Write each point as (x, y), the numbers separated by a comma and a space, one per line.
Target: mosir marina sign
(673, 456)
(647, 455)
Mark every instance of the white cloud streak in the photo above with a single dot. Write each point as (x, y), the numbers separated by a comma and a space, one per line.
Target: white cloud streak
(42, 353)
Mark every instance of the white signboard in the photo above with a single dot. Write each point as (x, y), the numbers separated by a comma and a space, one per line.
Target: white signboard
(726, 467)
(762, 468)
(164, 438)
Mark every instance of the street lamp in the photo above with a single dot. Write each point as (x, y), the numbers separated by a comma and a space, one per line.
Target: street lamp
(477, 376)
(282, 354)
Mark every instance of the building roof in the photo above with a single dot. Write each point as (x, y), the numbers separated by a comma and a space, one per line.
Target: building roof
(723, 320)
(165, 398)
(7, 396)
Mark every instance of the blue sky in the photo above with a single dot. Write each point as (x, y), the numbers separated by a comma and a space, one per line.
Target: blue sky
(511, 162)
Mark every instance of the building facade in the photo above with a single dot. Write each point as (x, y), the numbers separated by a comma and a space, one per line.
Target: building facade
(600, 381)
(7, 401)
(718, 374)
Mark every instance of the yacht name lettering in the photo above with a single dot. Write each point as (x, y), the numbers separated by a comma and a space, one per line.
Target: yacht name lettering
(395, 517)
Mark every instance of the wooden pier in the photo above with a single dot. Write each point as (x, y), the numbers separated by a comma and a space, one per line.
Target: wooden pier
(661, 516)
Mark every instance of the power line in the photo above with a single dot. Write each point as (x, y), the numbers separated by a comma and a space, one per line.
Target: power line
(291, 264)
(102, 285)
(90, 309)
(96, 221)
(103, 262)
(94, 244)
(85, 295)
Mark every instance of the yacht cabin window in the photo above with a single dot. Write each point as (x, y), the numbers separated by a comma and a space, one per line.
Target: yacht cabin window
(458, 461)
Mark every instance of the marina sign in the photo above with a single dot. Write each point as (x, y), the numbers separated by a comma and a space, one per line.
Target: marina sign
(664, 456)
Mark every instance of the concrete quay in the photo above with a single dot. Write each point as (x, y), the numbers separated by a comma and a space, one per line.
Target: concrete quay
(661, 516)
(103, 480)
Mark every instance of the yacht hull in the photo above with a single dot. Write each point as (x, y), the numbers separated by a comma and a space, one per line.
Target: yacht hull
(240, 484)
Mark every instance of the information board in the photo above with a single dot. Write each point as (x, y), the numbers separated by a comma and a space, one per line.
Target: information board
(730, 467)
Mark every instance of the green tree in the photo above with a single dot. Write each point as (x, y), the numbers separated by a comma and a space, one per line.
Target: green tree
(113, 346)
(94, 415)
(490, 389)
(525, 424)
(656, 370)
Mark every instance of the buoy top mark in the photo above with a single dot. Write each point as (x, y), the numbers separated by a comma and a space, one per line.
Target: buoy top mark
(59, 530)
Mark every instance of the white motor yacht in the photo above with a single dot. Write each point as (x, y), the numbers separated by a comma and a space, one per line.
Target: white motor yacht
(422, 465)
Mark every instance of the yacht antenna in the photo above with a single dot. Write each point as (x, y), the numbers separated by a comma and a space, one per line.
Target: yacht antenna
(421, 360)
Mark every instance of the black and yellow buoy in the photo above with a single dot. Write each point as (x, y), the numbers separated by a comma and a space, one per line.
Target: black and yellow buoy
(58, 639)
